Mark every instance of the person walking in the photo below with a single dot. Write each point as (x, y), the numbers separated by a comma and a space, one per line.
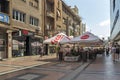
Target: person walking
(107, 51)
(117, 51)
(113, 50)
(40, 51)
(60, 53)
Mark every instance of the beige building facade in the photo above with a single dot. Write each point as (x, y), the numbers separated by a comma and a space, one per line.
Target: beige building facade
(24, 30)
(59, 17)
(52, 17)
(71, 20)
(25, 23)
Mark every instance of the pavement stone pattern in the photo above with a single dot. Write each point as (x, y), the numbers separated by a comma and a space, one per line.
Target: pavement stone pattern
(20, 63)
(49, 68)
(102, 69)
(28, 76)
(33, 68)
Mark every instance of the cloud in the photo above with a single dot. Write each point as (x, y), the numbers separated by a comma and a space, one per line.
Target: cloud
(105, 23)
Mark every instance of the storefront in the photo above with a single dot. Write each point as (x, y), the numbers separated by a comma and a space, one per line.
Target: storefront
(25, 44)
(3, 44)
(36, 43)
(19, 47)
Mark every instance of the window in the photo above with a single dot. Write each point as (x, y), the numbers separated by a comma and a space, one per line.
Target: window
(113, 5)
(30, 3)
(34, 21)
(115, 21)
(58, 4)
(4, 6)
(0, 8)
(34, 3)
(24, 0)
(18, 16)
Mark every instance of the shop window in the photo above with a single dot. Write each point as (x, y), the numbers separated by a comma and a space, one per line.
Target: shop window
(18, 16)
(18, 47)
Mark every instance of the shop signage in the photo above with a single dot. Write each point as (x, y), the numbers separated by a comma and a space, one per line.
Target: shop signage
(58, 38)
(85, 37)
(27, 33)
(23, 33)
(4, 18)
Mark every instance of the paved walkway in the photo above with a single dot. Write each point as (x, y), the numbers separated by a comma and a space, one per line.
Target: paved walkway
(19, 63)
(34, 68)
(48, 68)
(102, 69)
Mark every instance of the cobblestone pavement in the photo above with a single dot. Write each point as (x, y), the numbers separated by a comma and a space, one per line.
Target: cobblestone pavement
(102, 69)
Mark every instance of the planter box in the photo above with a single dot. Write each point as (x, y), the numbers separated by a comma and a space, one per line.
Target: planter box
(71, 58)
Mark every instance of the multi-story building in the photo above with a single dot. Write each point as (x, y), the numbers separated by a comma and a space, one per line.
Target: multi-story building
(23, 24)
(71, 20)
(21, 27)
(52, 20)
(59, 17)
(115, 20)
(52, 13)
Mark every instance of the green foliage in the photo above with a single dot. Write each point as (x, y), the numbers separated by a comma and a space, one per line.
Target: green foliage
(74, 52)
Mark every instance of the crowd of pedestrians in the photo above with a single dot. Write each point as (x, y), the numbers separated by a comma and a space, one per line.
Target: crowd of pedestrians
(84, 54)
(115, 50)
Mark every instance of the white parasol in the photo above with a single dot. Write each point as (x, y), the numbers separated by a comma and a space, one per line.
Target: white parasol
(59, 38)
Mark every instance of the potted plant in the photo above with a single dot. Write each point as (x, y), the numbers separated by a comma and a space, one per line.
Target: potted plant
(72, 56)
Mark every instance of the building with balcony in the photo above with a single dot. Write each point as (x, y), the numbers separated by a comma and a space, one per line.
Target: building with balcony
(20, 21)
(115, 20)
(49, 17)
(71, 20)
(52, 19)
(59, 17)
